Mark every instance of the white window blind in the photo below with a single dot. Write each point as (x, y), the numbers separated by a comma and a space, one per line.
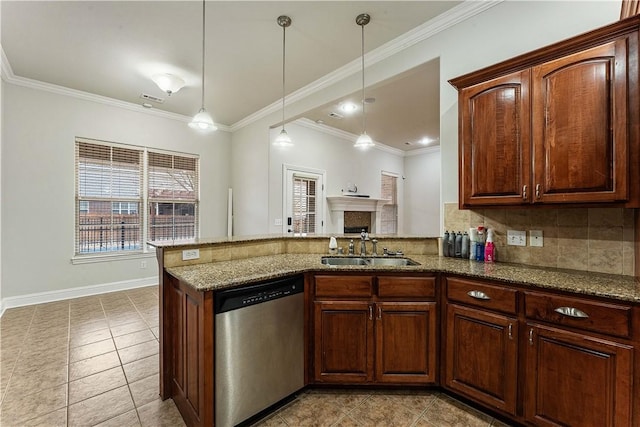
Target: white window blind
(304, 205)
(108, 198)
(389, 217)
(172, 196)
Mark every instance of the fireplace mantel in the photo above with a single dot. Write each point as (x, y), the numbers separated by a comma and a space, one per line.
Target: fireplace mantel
(358, 204)
(339, 204)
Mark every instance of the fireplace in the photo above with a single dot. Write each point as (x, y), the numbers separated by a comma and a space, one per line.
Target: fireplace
(349, 212)
(356, 221)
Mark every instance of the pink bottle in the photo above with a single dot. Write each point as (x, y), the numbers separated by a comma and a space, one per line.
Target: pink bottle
(489, 248)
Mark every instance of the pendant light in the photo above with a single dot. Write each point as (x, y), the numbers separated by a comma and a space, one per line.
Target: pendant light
(283, 139)
(202, 120)
(364, 141)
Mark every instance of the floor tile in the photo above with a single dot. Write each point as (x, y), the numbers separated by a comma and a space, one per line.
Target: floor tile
(128, 328)
(140, 369)
(100, 408)
(311, 410)
(28, 381)
(447, 411)
(84, 338)
(133, 338)
(160, 413)
(139, 351)
(93, 365)
(53, 419)
(273, 420)
(91, 350)
(128, 419)
(79, 327)
(381, 411)
(96, 384)
(145, 390)
(18, 409)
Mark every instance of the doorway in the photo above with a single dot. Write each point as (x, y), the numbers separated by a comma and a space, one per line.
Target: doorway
(303, 204)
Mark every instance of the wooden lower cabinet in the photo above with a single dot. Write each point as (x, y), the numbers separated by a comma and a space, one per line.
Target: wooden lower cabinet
(482, 356)
(576, 380)
(375, 340)
(405, 342)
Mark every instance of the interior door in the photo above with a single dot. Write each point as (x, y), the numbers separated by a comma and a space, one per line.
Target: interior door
(304, 205)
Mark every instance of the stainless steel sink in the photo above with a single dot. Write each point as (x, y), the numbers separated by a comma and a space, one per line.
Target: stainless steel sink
(344, 261)
(368, 261)
(391, 261)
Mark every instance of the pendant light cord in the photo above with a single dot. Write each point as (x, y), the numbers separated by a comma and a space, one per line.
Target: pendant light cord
(284, 39)
(364, 116)
(203, 38)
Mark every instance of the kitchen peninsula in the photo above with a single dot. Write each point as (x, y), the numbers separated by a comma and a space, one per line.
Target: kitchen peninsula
(535, 320)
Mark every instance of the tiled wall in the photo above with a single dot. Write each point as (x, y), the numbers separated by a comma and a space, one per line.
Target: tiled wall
(591, 239)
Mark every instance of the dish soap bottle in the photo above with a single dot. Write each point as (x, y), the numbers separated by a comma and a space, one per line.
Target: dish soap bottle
(489, 248)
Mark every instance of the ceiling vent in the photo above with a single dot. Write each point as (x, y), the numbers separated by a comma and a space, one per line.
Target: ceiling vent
(335, 115)
(152, 98)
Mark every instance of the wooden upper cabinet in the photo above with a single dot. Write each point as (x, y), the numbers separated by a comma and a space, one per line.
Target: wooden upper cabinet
(579, 123)
(495, 141)
(559, 125)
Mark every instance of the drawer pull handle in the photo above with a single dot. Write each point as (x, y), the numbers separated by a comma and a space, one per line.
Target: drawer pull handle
(510, 331)
(531, 336)
(478, 295)
(370, 312)
(379, 312)
(572, 312)
(537, 191)
(524, 192)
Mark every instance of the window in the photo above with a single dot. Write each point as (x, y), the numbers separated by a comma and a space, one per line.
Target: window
(110, 178)
(173, 196)
(304, 205)
(389, 190)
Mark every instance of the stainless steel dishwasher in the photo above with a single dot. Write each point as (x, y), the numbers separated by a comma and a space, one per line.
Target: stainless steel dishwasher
(259, 348)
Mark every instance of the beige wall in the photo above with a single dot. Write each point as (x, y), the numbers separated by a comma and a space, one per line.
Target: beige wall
(591, 239)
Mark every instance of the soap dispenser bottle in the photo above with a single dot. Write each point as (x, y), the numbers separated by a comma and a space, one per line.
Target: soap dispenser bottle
(445, 243)
(489, 248)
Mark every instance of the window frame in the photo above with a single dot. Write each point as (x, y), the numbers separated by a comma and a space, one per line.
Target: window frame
(145, 250)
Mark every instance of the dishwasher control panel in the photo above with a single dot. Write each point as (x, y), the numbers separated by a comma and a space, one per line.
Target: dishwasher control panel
(234, 299)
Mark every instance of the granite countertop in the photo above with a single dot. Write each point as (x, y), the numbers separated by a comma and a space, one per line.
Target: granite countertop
(227, 274)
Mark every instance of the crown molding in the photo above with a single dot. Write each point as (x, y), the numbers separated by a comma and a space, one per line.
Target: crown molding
(421, 151)
(9, 77)
(453, 16)
(339, 133)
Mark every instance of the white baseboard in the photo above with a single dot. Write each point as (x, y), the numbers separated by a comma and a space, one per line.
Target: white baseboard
(84, 291)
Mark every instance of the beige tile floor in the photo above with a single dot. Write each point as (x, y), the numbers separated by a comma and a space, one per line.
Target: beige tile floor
(94, 361)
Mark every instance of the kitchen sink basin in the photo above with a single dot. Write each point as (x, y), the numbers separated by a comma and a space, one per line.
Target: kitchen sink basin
(368, 261)
(344, 261)
(391, 261)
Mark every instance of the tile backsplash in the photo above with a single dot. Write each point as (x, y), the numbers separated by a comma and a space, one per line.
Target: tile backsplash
(591, 239)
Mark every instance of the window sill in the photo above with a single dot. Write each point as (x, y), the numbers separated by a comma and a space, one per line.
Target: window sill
(90, 259)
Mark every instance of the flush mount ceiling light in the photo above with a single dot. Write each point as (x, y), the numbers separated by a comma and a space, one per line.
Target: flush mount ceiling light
(348, 107)
(283, 139)
(426, 140)
(168, 82)
(364, 141)
(202, 120)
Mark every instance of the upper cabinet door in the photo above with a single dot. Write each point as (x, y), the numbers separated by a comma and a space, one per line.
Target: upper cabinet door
(579, 126)
(495, 142)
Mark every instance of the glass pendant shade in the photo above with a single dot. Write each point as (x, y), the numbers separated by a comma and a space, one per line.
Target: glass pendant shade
(168, 82)
(283, 140)
(364, 141)
(203, 121)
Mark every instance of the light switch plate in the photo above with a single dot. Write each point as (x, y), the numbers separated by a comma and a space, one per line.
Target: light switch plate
(535, 238)
(516, 238)
(278, 221)
(188, 254)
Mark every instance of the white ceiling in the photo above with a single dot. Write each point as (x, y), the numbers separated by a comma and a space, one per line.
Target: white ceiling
(111, 48)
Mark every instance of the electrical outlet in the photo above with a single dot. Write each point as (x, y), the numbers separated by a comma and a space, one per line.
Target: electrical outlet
(516, 238)
(535, 238)
(190, 254)
(143, 264)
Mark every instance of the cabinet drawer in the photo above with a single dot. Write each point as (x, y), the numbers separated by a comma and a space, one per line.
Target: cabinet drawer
(606, 318)
(410, 287)
(344, 286)
(482, 295)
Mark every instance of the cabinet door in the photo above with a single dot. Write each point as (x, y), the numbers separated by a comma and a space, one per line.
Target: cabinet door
(494, 144)
(576, 380)
(406, 342)
(579, 123)
(482, 356)
(343, 341)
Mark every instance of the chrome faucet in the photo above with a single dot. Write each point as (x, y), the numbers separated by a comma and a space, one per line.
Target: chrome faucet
(363, 247)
